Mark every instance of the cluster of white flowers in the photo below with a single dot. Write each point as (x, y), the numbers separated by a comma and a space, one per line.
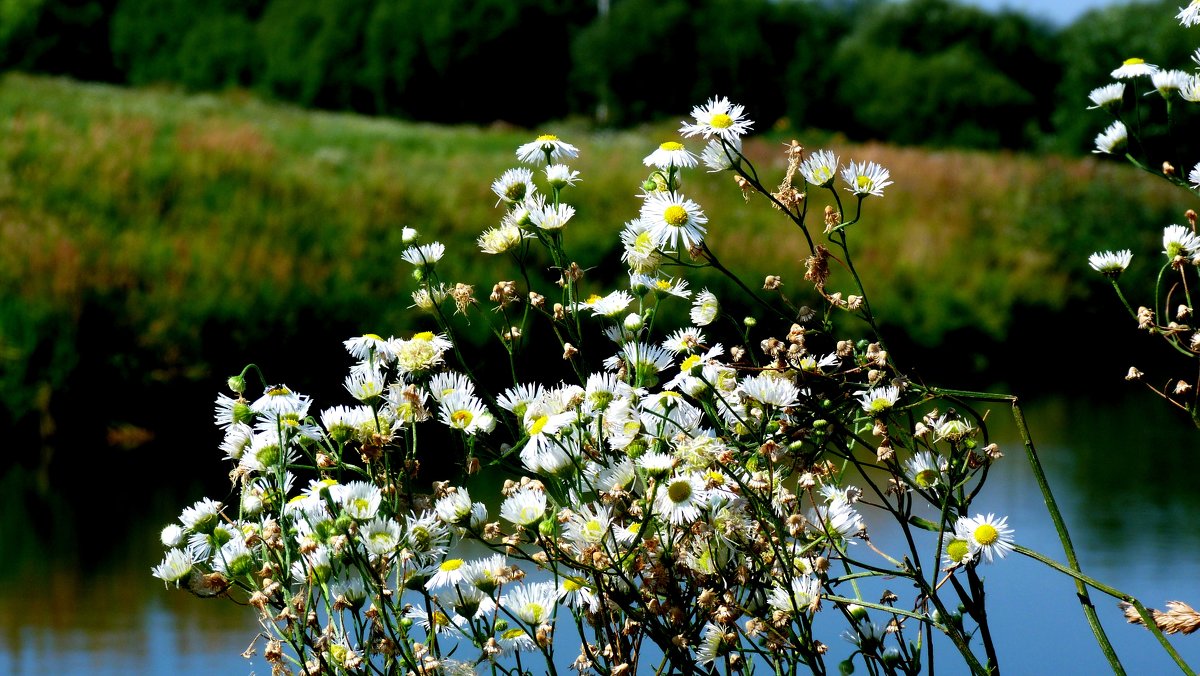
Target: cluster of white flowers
(1167, 315)
(677, 492)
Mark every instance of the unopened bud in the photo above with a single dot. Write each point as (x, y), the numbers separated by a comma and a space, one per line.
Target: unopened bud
(408, 236)
(633, 322)
(237, 384)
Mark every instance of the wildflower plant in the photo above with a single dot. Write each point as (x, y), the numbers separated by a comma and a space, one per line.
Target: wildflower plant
(689, 498)
(1152, 113)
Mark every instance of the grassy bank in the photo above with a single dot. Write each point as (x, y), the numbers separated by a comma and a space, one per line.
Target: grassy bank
(146, 236)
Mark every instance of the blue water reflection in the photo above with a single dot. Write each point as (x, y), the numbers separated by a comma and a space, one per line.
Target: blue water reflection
(1123, 472)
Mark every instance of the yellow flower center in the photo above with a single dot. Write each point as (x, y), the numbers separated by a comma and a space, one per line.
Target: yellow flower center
(362, 504)
(662, 284)
(986, 534)
(675, 215)
(1134, 62)
(547, 137)
(957, 550)
(536, 611)
(863, 182)
(538, 424)
(689, 363)
(278, 392)
(926, 478)
(721, 121)
(372, 336)
(570, 584)
(680, 491)
(461, 418)
(452, 564)
(671, 146)
(593, 299)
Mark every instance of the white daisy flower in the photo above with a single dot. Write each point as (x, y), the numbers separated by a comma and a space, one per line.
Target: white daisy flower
(500, 239)
(349, 587)
(234, 558)
(987, 535)
(1179, 240)
(421, 353)
(439, 622)
(551, 217)
(952, 428)
(424, 255)
(670, 286)
(380, 537)
(837, 520)
(545, 148)
(1191, 89)
(713, 643)
(517, 399)
(514, 186)
(601, 389)
(680, 498)
(176, 565)
(589, 526)
(446, 383)
(956, 550)
(1168, 82)
(797, 597)
(771, 389)
(879, 399)
(867, 178)
(449, 573)
(560, 176)
(643, 362)
(577, 594)
(1133, 68)
(524, 507)
(718, 118)
(605, 306)
(1107, 97)
(1110, 263)
(718, 156)
(429, 297)
(366, 385)
(464, 411)
(820, 168)
(279, 400)
(454, 507)
(516, 640)
(360, 500)
(425, 535)
(1194, 177)
(673, 220)
(236, 441)
(670, 154)
(201, 517)
(1190, 15)
(485, 574)
(924, 470)
(705, 308)
(656, 464)
(229, 411)
(531, 603)
(641, 252)
(367, 346)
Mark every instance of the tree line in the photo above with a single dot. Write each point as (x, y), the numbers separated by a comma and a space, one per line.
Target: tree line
(930, 72)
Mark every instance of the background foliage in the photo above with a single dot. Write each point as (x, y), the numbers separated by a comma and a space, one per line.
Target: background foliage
(929, 72)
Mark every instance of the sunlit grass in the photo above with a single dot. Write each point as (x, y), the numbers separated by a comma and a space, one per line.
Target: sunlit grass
(180, 217)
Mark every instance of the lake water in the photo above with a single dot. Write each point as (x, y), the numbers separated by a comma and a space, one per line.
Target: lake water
(76, 596)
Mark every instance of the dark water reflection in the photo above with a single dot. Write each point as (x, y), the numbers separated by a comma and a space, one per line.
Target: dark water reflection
(76, 596)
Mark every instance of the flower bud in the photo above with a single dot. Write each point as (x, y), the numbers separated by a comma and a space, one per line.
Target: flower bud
(237, 384)
(633, 322)
(408, 236)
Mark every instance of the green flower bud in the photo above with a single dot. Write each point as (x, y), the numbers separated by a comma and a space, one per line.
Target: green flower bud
(237, 384)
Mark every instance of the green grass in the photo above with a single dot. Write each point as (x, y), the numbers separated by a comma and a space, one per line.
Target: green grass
(183, 225)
